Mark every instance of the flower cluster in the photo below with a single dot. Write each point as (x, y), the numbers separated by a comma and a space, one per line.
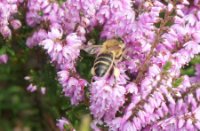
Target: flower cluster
(62, 123)
(9, 8)
(32, 88)
(160, 37)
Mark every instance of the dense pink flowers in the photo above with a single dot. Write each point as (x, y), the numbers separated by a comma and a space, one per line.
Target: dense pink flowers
(160, 38)
(9, 8)
(73, 87)
(106, 98)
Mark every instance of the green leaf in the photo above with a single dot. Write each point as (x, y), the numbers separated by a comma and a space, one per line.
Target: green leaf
(188, 71)
(196, 60)
(177, 82)
(167, 66)
(41, 13)
(84, 65)
(157, 25)
(162, 14)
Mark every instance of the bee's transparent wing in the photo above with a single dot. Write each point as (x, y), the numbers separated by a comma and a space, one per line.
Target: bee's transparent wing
(92, 49)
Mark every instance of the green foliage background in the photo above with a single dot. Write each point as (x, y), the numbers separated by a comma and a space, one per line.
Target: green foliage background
(20, 109)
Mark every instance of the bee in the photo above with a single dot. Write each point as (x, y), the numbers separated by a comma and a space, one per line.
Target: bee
(107, 56)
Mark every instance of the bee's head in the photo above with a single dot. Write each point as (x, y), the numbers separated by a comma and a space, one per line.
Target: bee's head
(119, 39)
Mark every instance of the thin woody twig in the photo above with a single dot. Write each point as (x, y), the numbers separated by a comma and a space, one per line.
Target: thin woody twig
(159, 33)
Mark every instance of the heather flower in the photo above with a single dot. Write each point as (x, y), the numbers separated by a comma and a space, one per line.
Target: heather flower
(27, 78)
(7, 10)
(36, 38)
(106, 98)
(3, 59)
(160, 39)
(43, 90)
(33, 16)
(73, 87)
(31, 88)
(5, 31)
(63, 52)
(62, 123)
(119, 23)
(187, 121)
(16, 24)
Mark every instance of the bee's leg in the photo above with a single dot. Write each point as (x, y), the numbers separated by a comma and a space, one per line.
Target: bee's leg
(126, 58)
(91, 42)
(116, 72)
(92, 71)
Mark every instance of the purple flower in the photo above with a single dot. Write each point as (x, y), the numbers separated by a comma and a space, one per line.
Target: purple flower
(106, 98)
(61, 123)
(16, 24)
(150, 92)
(72, 87)
(62, 52)
(3, 59)
(31, 88)
(43, 90)
(36, 38)
(7, 11)
(5, 31)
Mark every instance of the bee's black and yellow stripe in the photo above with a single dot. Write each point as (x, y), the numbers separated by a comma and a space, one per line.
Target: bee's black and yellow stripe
(103, 63)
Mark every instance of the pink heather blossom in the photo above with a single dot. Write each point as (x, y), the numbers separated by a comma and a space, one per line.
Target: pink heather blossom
(180, 122)
(61, 123)
(16, 24)
(43, 90)
(146, 95)
(27, 78)
(7, 10)
(62, 52)
(36, 38)
(35, 7)
(31, 88)
(3, 59)
(106, 99)
(73, 87)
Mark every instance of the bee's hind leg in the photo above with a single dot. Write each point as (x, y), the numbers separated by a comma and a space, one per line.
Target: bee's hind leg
(92, 71)
(116, 72)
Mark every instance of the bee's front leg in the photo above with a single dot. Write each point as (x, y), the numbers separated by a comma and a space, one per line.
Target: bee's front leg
(91, 42)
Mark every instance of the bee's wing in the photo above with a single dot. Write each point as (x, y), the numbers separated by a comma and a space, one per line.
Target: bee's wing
(92, 49)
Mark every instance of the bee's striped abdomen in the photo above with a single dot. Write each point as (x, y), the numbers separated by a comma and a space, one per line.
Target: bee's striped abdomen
(102, 64)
